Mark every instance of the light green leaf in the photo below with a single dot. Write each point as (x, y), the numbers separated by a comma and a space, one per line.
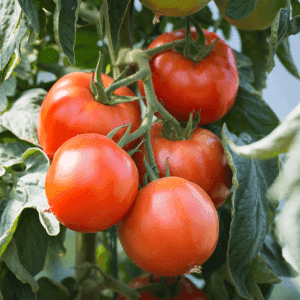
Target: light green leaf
(13, 26)
(22, 118)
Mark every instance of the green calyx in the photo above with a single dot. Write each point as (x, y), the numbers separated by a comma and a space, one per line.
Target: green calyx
(98, 89)
(195, 50)
(170, 133)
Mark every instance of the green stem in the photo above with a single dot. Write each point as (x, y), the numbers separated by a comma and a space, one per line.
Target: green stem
(85, 251)
(149, 152)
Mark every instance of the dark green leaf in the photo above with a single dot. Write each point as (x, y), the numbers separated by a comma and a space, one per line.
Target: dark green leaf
(50, 289)
(12, 260)
(32, 241)
(253, 215)
(251, 114)
(295, 8)
(116, 11)
(279, 31)
(218, 258)
(239, 9)
(256, 47)
(11, 287)
(285, 57)
(57, 242)
(31, 12)
(64, 21)
(271, 252)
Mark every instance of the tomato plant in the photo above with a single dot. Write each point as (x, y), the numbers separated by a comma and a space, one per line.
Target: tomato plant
(171, 227)
(179, 8)
(70, 109)
(187, 291)
(261, 18)
(91, 183)
(185, 86)
(199, 159)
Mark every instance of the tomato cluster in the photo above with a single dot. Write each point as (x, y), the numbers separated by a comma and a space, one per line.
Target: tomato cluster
(170, 225)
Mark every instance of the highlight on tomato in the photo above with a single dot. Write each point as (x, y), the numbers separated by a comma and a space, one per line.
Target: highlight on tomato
(187, 291)
(171, 227)
(199, 159)
(261, 18)
(91, 183)
(179, 8)
(209, 85)
(70, 109)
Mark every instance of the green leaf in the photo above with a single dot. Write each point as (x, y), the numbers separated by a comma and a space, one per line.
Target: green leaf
(285, 57)
(251, 180)
(31, 12)
(10, 66)
(7, 88)
(239, 9)
(12, 261)
(13, 26)
(64, 22)
(116, 12)
(280, 140)
(295, 8)
(271, 252)
(86, 50)
(28, 191)
(256, 47)
(22, 118)
(251, 114)
(11, 287)
(50, 289)
(279, 31)
(11, 153)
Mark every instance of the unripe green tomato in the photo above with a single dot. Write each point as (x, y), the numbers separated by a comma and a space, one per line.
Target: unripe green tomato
(175, 8)
(261, 18)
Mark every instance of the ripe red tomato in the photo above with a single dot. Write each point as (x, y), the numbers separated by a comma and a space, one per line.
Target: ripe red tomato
(200, 159)
(188, 291)
(171, 227)
(184, 86)
(91, 183)
(70, 109)
(261, 18)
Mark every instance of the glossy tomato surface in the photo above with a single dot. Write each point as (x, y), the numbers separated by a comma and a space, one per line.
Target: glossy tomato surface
(91, 183)
(178, 8)
(187, 291)
(171, 227)
(200, 159)
(70, 109)
(261, 18)
(184, 86)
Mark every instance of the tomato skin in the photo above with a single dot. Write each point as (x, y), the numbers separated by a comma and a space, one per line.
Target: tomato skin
(171, 227)
(183, 86)
(180, 8)
(188, 291)
(261, 18)
(91, 183)
(200, 159)
(70, 109)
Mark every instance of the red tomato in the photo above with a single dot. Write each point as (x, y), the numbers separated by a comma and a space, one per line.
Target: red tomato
(188, 291)
(70, 109)
(91, 183)
(171, 227)
(184, 86)
(200, 159)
